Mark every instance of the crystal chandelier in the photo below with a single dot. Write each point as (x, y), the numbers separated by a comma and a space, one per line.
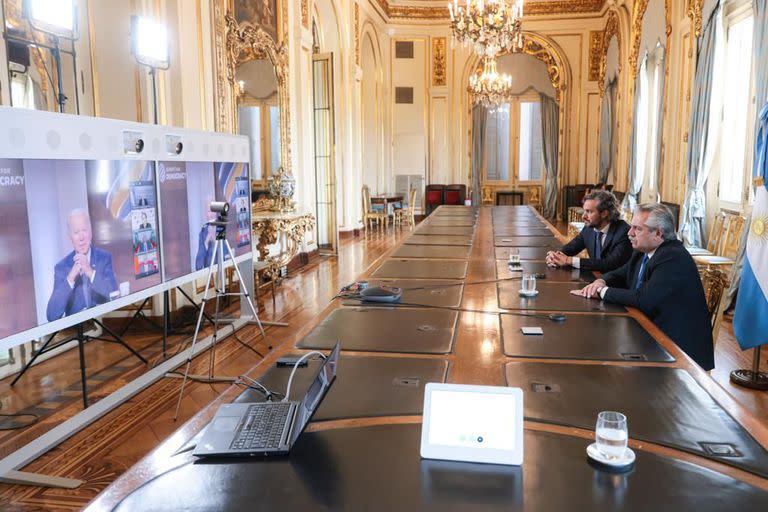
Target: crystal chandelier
(489, 87)
(488, 26)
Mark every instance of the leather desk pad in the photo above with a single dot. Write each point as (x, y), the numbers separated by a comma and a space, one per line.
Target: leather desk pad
(550, 273)
(438, 240)
(526, 253)
(521, 231)
(525, 241)
(422, 269)
(378, 468)
(552, 297)
(663, 405)
(380, 329)
(443, 230)
(433, 251)
(442, 294)
(450, 222)
(365, 386)
(595, 337)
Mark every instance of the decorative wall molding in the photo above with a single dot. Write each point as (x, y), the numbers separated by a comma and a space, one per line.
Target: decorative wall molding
(534, 8)
(695, 8)
(596, 44)
(357, 34)
(439, 62)
(610, 31)
(305, 13)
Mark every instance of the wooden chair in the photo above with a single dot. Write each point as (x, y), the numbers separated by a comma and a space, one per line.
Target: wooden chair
(728, 243)
(454, 194)
(575, 214)
(716, 232)
(715, 282)
(369, 214)
(407, 214)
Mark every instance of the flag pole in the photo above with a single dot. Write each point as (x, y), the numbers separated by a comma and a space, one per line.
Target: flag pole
(754, 378)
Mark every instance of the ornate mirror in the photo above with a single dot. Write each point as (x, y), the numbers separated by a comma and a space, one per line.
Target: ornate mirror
(255, 97)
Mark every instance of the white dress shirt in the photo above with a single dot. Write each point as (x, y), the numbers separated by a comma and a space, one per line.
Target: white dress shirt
(576, 261)
(605, 289)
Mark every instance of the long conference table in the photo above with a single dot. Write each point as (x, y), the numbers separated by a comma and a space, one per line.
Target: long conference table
(460, 321)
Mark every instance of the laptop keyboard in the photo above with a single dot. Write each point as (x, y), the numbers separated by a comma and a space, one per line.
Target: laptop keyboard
(263, 426)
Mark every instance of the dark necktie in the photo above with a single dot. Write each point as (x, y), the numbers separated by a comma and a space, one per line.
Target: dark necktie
(641, 272)
(598, 245)
(86, 290)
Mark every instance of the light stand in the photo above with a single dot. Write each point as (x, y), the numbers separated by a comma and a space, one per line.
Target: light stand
(221, 243)
(58, 20)
(754, 378)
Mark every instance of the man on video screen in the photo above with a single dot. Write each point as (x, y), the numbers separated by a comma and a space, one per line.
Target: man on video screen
(84, 277)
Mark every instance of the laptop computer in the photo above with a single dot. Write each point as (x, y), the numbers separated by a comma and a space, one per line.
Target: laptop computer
(266, 428)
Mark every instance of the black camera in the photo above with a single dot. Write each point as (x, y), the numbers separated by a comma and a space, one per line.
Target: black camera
(220, 207)
(139, 146)
(178, 148)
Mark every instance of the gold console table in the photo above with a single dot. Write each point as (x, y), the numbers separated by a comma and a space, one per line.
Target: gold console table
(285, 228)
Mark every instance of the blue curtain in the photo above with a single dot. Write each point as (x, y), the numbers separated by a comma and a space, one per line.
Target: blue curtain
(606, 131)
(760, 60)
(479, 120)
(694, 207)
(550, 131)
(635, 175)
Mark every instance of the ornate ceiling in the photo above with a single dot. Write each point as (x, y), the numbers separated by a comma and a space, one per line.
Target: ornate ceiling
(437, 9)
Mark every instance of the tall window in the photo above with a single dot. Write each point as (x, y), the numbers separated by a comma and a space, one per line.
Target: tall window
(530, 161)
(737, 112)
(513, 145)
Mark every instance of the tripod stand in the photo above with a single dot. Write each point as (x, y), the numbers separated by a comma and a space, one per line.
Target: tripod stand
(221, 243)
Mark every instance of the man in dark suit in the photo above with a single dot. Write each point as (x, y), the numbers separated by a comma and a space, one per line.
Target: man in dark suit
(662, 281)
(604, 236)
(84, 277)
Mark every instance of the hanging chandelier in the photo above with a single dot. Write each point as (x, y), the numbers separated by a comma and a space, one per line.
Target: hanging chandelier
(489, 87)
(488, 26)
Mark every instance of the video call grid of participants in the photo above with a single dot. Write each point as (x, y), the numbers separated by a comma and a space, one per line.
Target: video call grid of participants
(144, 230)
(242, 203)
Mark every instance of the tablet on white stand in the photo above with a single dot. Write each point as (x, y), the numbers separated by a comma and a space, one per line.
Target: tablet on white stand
(473, 423)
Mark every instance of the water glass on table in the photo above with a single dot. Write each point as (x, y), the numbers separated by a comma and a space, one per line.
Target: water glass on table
(529, 284)
(611, 434)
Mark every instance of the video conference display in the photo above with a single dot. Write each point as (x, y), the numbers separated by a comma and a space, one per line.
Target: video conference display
(75, 234)
(186, 191)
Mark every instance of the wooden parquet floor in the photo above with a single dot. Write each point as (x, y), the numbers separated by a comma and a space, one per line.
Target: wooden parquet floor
(109, 446)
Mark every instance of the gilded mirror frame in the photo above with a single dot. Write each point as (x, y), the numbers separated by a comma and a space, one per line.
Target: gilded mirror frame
(237, 43)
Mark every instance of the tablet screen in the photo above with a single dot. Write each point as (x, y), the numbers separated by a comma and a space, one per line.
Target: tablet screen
(472, 420)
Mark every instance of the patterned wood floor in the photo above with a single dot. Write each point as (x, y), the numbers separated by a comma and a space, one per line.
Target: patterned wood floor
(105, 449)
(109, 446)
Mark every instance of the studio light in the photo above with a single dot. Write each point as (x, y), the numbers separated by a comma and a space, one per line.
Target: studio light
(55, 17)
(149, 42)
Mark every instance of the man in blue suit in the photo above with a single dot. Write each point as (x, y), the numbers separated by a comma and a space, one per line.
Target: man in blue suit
(604, 236)
(84, 277)
(662, 281)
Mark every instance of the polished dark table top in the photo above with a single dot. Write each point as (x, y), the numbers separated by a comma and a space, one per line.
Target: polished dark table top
(379, 468)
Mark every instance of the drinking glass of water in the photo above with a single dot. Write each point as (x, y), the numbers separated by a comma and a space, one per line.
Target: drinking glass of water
(514, 257)
(611, 434)
(529, 284)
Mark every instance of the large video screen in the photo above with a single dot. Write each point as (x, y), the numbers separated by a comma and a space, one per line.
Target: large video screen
(75, 234)
(186, 192)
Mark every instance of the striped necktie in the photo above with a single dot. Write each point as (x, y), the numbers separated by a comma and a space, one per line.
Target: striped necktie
(641, 272)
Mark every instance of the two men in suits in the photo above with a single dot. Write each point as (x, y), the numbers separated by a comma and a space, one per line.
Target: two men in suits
(604, 236)
(662, 281)
(84, 277)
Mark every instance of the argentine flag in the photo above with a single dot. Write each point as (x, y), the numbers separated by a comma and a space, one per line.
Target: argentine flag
(750, 321)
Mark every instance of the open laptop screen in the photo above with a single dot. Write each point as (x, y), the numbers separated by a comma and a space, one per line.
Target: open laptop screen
(315, 393)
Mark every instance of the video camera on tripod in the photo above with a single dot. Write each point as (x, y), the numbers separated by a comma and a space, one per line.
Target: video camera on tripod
(221, 209)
